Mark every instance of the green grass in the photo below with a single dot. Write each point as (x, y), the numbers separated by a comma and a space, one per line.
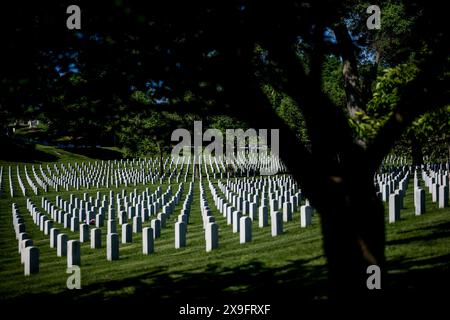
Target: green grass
(419, 242)
(272, 252)
(417, 251)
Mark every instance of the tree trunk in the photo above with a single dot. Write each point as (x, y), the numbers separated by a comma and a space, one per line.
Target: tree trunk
(448, 145)
(352, 219)
(352, 83)
(334, 176)
(416, 152)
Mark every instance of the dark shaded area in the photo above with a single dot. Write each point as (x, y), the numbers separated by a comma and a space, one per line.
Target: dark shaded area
(36, 135)
(19, 151)
(292, 291)
(422, 289)
(97, 153)
(22, 150)
(429, 237)
(285, 289)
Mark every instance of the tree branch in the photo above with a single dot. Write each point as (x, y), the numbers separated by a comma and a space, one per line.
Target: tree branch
(352, 85)
(417, 98)
(327, 125)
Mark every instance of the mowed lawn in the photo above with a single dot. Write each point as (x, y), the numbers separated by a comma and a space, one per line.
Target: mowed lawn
(417, 251)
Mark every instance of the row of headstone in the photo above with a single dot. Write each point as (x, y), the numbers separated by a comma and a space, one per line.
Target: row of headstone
(149, 234)
(79, 215)
(30, 182)
(10, 183)
(21, 184)
(262, 215)
(241, 222)
(60, 241)
(389, 183)
(209, 222)
(136, 227)
(394, 160)
(438, 186)
(39, 181)
(393, 187)
(29, 254)
(306, 213)
(86, 176)
(242, 164)
(280, 199)
(257, 193)
(104, 174)
(45, 182)
(181, 225)
(232, 214)
(94, 236)
(71, 248)
(272, 184)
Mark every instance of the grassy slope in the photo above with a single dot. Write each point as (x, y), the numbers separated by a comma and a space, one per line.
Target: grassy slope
(38, 153)
(417, 250)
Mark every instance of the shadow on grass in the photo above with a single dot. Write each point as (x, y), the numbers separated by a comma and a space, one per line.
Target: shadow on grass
(421, 285)
(283, 288)
(295, 289)
(97, 153)
(435, 231)
(38, 135)
(17, 151)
